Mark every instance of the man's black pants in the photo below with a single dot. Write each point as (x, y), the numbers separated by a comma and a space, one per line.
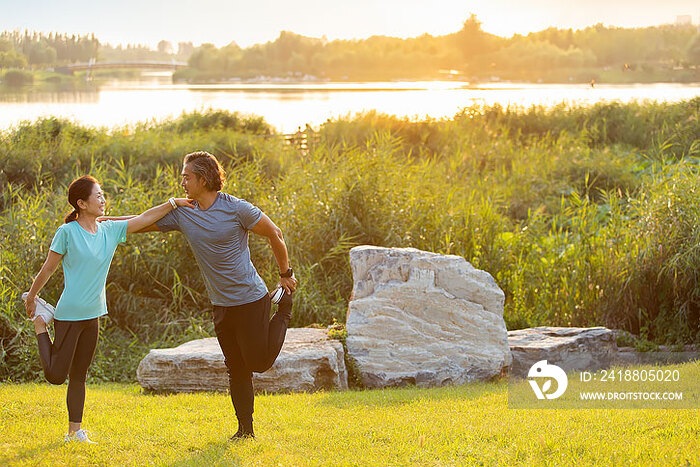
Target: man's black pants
(251, 342)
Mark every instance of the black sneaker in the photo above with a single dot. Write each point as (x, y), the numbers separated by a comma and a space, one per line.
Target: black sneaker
(241, 435)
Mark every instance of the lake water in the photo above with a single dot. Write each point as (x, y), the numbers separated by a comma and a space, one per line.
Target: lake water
(289, 106)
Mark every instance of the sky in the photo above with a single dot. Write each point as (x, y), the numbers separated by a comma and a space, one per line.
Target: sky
(223, 21)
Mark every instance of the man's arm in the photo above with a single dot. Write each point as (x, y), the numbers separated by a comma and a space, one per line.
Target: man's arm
(267, 228)
(151, 216)
(148, 228)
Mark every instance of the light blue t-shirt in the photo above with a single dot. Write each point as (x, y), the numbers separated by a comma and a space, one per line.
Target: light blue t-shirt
(218, 237)
(86, 261)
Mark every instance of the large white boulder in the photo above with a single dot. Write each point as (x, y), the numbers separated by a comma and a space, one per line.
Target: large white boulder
(309, 361)
(422, 318)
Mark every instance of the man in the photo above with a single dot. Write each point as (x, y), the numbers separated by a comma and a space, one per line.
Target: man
(217, 231)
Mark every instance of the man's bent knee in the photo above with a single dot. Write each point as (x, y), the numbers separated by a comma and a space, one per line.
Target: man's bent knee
(261, 366)
(55, 378)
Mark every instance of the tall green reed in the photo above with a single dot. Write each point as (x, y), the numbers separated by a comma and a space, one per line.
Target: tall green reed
(567, 208)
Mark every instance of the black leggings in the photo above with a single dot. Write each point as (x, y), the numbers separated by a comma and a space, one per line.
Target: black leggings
(70, 355)
(251, 342)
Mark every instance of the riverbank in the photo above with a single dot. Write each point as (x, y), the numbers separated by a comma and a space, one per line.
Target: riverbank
(602, 75)
(15, 78)
(48, 79)
(605, 75)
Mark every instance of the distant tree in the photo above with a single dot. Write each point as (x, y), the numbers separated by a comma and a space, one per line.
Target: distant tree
(229, 58)
(471, 39)
(12, 59)
(693, 52)
(184, 50)
(41, 54)
(297, 63)
(562, 38)
(289, 44)
(165, 47)
(525, 55)
(254, 59)
(204, 58)
(615, 46)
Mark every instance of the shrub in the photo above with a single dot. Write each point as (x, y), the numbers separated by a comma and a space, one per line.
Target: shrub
(17, 77)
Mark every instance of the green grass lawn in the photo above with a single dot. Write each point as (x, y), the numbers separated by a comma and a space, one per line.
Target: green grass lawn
(465, 425)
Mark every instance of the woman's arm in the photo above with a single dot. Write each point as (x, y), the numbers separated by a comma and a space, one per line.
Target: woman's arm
(115, 218)
(267, 228)
(49, 267)
(148, 218)
(148, 228)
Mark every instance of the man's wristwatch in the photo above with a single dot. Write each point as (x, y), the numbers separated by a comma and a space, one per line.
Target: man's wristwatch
(288, 273)
(172, 203)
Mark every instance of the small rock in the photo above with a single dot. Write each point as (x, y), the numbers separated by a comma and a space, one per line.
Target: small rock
(571, 349)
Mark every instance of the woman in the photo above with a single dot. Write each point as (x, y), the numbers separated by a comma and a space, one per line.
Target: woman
(86, 248)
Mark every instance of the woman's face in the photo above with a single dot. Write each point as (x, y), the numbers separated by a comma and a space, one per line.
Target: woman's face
(95, 204)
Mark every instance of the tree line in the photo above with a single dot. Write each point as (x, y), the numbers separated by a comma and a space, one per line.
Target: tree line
(23, 49)
(469, 52)
(38, 50)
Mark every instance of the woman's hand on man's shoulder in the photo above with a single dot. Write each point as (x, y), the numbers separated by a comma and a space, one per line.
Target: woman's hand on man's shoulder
(184, 202)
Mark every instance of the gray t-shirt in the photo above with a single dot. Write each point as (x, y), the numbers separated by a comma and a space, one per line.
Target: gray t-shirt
(218, 237)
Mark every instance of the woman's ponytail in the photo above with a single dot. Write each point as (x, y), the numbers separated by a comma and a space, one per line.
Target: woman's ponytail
(71, 217)
(80, 188)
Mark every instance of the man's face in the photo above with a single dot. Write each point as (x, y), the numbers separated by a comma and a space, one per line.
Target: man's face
(192, 184)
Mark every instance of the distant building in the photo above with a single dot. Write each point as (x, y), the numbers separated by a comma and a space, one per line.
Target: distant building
(684, 20)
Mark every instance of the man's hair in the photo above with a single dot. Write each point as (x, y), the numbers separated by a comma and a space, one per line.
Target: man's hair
(205, 166)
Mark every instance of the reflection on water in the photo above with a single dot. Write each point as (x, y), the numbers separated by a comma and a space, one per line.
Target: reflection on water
(64, 92)
(289, 106)
(49, 97)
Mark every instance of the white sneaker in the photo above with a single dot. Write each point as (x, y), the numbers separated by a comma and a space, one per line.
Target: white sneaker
(277, 295)
(80, 436)
(43, 310)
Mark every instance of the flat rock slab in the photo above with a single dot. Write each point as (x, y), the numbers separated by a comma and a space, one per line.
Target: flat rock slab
(423, 318)
(572, 349)
(309, 361)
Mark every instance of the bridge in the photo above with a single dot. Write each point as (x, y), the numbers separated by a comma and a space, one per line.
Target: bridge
(141, 64)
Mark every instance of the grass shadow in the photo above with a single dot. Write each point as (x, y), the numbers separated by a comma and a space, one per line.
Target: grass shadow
(31, 453)
(212, 454)
(395, 397)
